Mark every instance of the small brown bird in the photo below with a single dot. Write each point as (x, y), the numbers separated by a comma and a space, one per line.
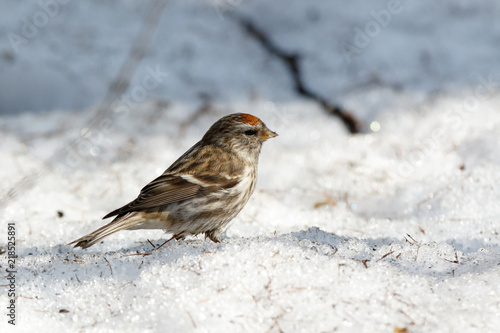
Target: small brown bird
(203, 190)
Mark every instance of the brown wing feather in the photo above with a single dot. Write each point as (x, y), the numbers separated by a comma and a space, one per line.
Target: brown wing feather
(164, 190)
(171, 187)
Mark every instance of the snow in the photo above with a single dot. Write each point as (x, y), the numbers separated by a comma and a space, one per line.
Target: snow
(392, 229)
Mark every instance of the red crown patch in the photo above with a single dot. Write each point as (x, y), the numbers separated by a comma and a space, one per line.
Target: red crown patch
(249, 119)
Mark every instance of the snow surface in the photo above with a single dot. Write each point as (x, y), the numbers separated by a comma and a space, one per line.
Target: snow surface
(396, 228)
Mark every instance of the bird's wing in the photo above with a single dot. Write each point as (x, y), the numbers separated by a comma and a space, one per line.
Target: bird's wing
(172, 186)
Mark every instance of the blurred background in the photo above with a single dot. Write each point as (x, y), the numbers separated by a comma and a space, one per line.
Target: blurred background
(85, 84)
(361, 55)
(93, 82)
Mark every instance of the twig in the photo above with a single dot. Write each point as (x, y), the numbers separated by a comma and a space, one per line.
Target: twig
(154, 247)
(413, 239)
(190, 317)
(138, 254)
(111, 269)
(174, 236)
(454, 261)
(385, 255)
(291, 61)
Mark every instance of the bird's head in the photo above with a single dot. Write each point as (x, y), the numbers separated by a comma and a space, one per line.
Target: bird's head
(240, 133)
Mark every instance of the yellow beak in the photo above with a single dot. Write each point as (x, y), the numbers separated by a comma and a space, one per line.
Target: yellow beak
(268, 134)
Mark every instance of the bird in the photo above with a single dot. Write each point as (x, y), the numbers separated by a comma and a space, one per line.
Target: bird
(202, 191)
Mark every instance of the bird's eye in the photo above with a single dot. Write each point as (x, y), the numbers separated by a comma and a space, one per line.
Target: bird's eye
(250, 132)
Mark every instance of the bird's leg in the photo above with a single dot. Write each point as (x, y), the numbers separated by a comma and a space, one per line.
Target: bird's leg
(176, 236)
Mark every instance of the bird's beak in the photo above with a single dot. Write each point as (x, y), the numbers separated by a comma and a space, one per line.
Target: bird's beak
(268, 134)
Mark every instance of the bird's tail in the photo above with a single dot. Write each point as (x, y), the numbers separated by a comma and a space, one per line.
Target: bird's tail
(124, 222)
